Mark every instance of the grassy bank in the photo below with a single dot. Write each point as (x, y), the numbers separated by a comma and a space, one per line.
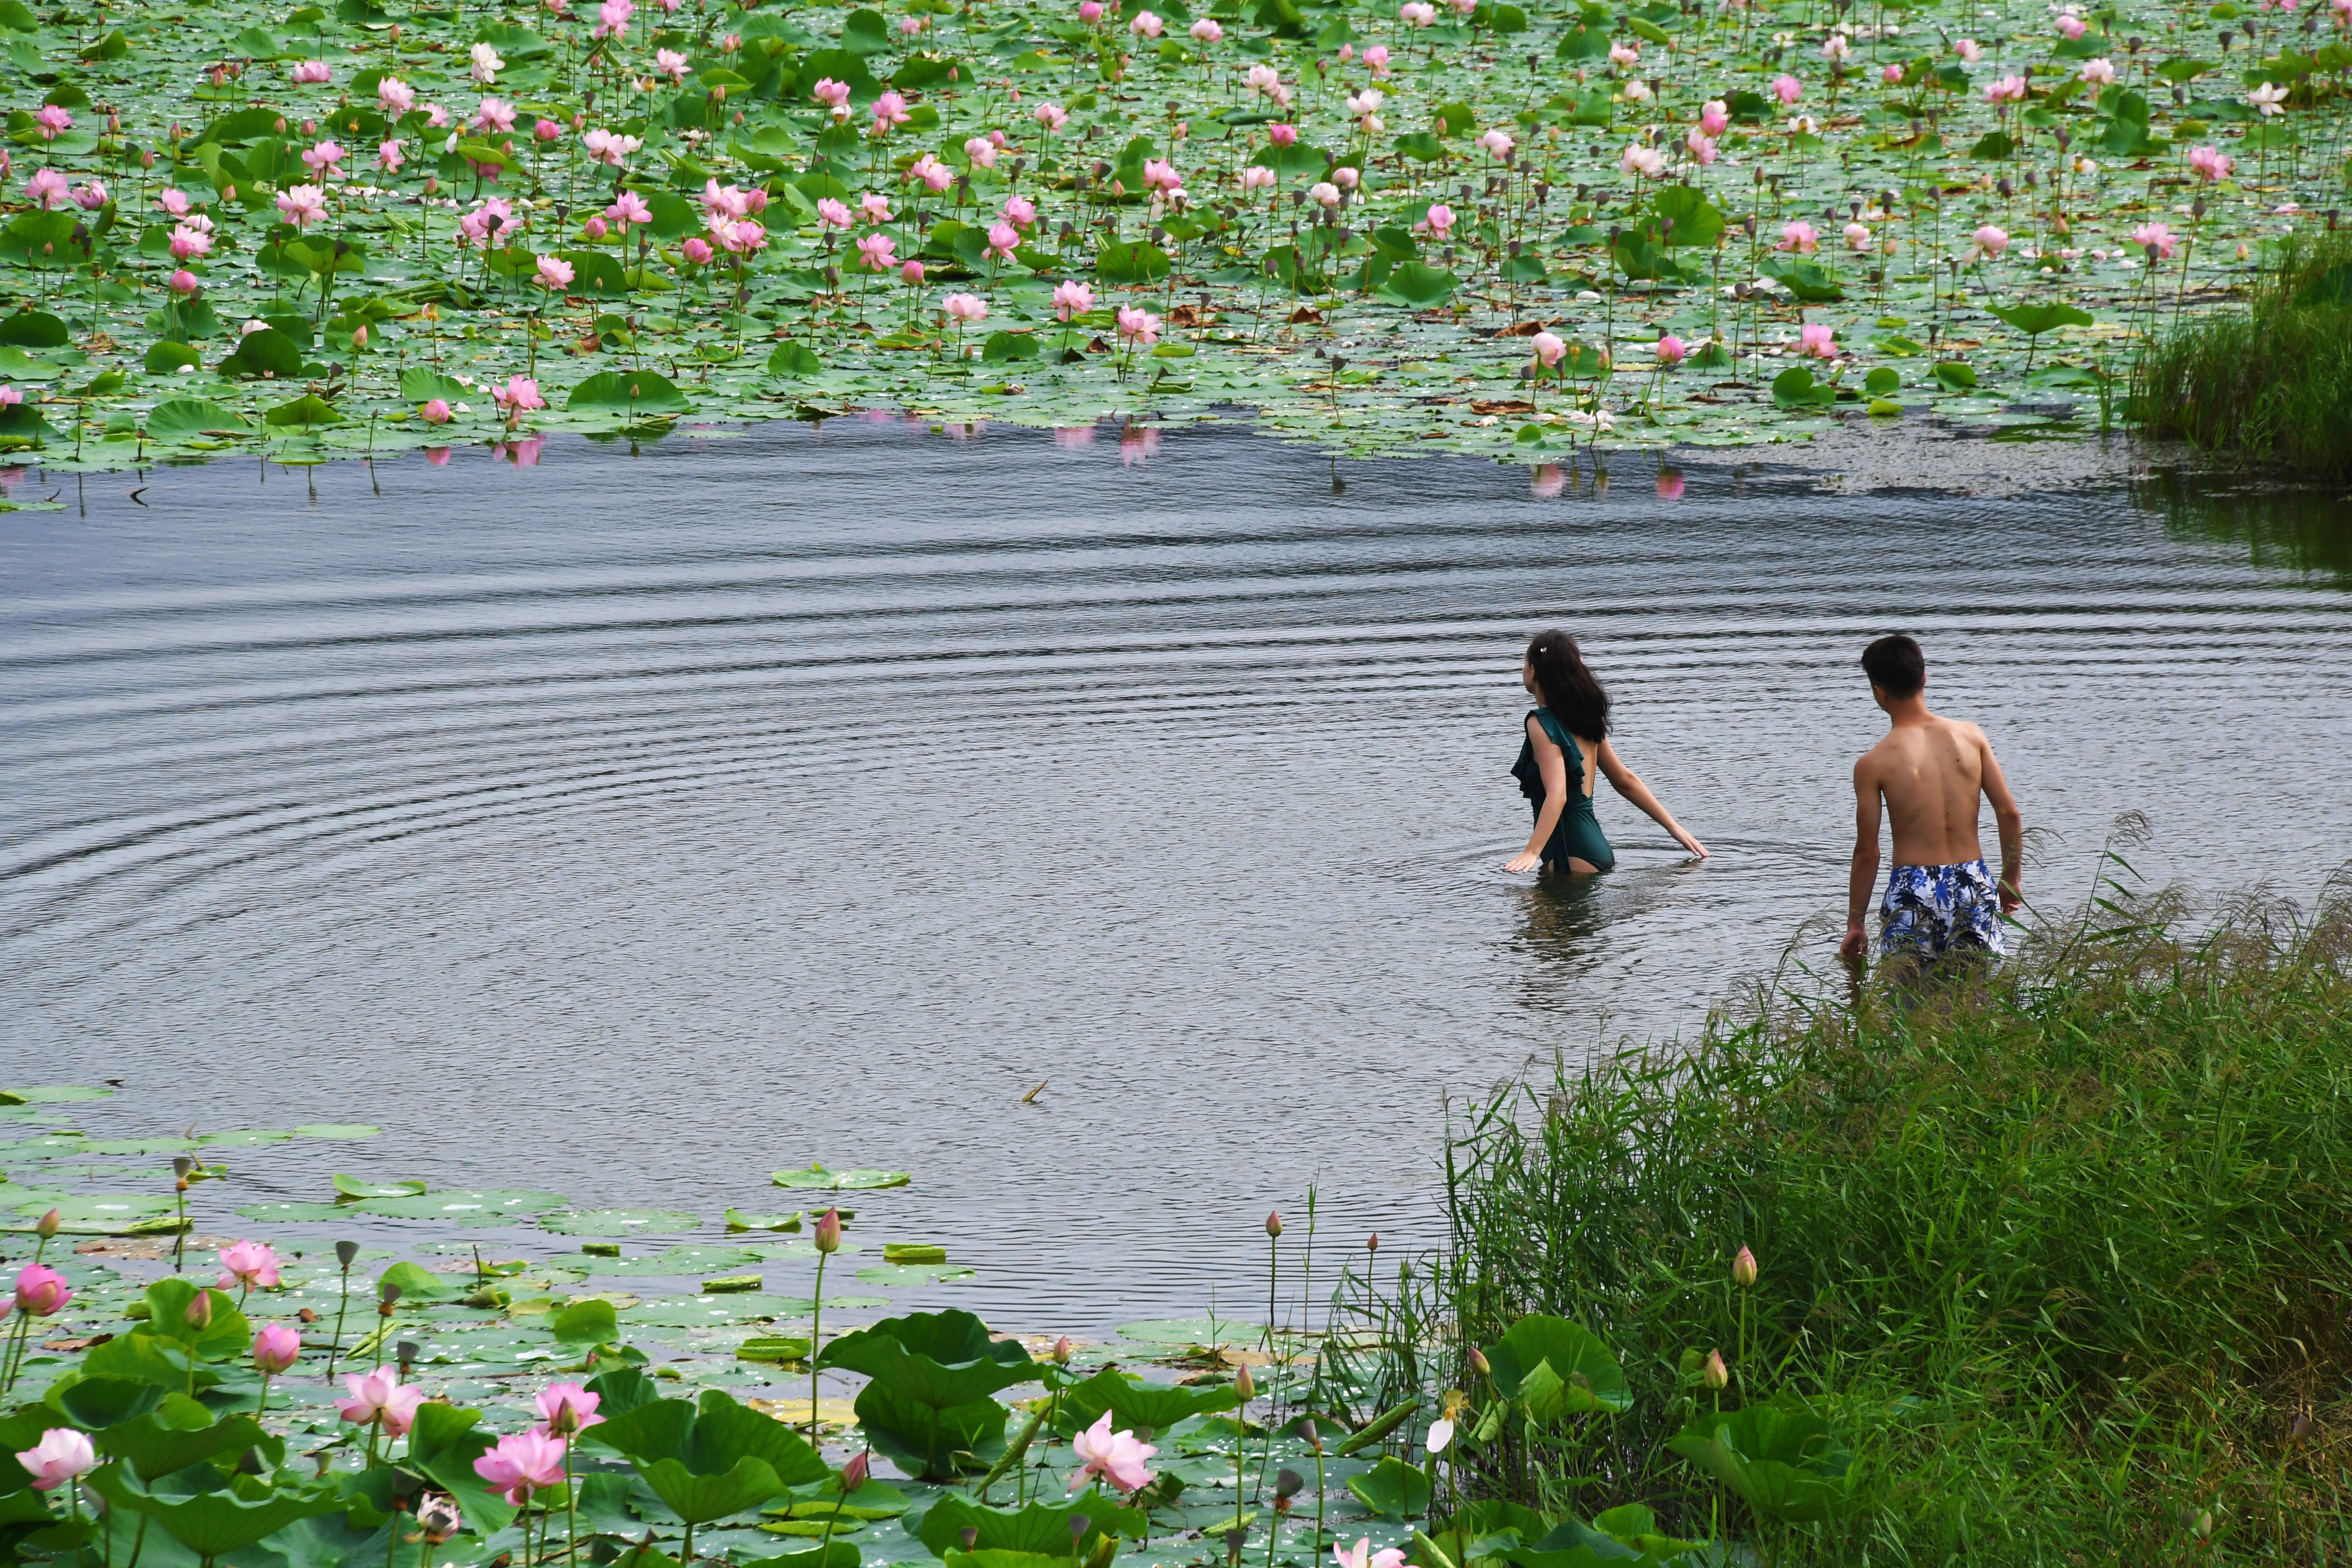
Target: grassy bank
(2062, 1256)
(2273, 383)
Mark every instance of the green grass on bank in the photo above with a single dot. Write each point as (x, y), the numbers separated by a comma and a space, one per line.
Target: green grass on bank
(2065, 1254)
(2273, 383)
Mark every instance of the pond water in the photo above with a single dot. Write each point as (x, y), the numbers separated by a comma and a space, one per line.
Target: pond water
(632, 826)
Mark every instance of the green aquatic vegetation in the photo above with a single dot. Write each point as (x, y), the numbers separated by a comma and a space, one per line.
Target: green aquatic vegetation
(2272, 381)
(1497, 229)
(2047, 1263)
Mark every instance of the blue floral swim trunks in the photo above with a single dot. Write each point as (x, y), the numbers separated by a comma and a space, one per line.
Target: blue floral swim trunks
(1930, 910)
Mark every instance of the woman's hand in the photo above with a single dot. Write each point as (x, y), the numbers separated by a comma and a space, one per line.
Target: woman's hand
(1683, 838)
(1526, 861)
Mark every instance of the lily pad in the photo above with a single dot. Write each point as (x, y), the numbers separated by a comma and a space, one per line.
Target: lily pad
(1212, 1331)
(469, 1207)
(819, 1178)
(616, 1221)
(355, 1188)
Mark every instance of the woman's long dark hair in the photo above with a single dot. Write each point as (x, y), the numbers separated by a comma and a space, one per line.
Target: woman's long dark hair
(1569, 690)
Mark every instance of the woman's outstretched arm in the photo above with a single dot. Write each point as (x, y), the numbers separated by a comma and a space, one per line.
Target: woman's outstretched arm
(1552, 763)
(1630, 785)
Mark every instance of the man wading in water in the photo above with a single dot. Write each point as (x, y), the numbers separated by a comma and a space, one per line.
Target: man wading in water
(1929, 771)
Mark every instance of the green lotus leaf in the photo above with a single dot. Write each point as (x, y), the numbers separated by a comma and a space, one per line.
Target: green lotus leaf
(616, 1221)
(818, 1178)
(155, 1445)
(355, 1188)
(1041, 1529)
(244, 1513)
(738, 1220)
(1589, 1376)
(589, 1322)
(940, 1359)
(1134, 1404)
(466, 1207)
(442, 1445)
(1780, 1458)
(709, 1460)
(1393, 1489)
(932, 1442)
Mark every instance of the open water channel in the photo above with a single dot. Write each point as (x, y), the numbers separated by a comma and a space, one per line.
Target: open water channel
(630, 827)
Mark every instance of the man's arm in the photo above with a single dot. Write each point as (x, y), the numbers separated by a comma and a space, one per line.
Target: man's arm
(1865, 860)
(2011, 825)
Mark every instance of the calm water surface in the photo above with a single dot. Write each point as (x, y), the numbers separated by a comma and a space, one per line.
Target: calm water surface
(631, 827)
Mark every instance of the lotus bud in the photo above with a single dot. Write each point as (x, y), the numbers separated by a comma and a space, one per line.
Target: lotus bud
(828, 1231)
(48, 1227)
(200, 1310)
(1716, 1374)
(147, 158)
(346, 1251)
(1242, 1386)
(1743, 1269)
(1478, 1363)
(1061, 1352)
(1274, 1224)
(440, 1518)
(1373, 1243)
(853, 1474)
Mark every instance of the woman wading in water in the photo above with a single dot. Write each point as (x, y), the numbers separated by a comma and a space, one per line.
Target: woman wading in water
(1566, 750)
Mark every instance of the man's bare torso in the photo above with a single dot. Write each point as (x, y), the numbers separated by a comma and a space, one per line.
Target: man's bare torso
(1931, 776)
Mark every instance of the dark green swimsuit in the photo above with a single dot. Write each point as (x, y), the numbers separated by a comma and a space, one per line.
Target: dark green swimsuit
(1578, 833)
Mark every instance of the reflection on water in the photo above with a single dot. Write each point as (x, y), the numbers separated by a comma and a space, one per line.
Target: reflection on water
(2303, 531)
(633, 824)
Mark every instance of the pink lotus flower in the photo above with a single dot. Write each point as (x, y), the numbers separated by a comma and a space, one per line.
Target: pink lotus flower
(1968, 51)
(966, 307)
(1090, 11)
(302, 205)
(494, 115)
(1643, 163)
(61, 1455)
(1365, 1557)
(1117, 1457)
(9, 398)
(486, 64)
(1892, 75)
(1550, 349)
(911, 274)
(276, 1347)
(610, 148)
(325, 158)
(723, 201)
(2158, 236)
(547, 131)
(1990, 240)
(613, 19)
(389, 157)
(1346, 179)
(436, 117)
(53, 121)
(519, 392)
(889, 112)
(696, 252)
(1787, 89)
(1701, 147)
(831, 214)
(46, 188)
(1817, 340)
(2211, 164)
(522, 1463)
(1715, 117)
(628, 208)
(1324, 195)
(41, 1290)
(1158, 174)
(1206, 31)
(1438, 222)
(1671, 351)
(252, 1264)
(182, 282)
(1377, 58)
(379, 1396)
(1072, 299)
(1140, 329)
(1145, 24)
(878, 251)
(565, 1408)
(875, 206)
(671, 64)
(1497, 142)
(1857, 237)
(981, 152)
(1283, 135)
(395, 96)
(2072, 26)
(2005, 90)
(435, 412)
(1020, 211)
(89, 196)
(485, 222)
(1417, 14)
(1622, 55)
(1256, 177)
(2099, 72)
(175, 202)
(1052, 116)
(310, 72)
(554, 274)
(834, 95)
(1799, 237)
(1002, 239)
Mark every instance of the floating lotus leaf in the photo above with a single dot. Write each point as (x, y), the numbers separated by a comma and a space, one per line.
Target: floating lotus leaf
(738, 1220)
(616, 1221)
(356, 1188)
(1393, 1489)
(818, 1178)
(1042, 1528)
(470, 1206)
(1135, 1403)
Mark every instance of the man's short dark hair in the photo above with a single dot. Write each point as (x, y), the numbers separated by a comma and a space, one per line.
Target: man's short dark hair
(1895, 666)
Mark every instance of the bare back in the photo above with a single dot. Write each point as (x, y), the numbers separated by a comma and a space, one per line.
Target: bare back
(1931, 774)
